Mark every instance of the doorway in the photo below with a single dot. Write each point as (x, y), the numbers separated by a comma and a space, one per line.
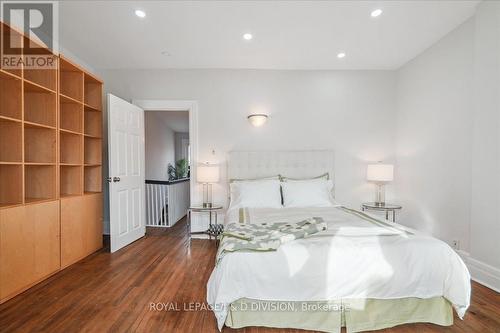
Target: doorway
(167, 166)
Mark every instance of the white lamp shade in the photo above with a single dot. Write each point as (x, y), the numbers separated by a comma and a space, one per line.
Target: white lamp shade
(207, 173)
(380, 172)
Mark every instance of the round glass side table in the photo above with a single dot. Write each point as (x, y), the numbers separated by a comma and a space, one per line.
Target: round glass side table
(386, 207)
(213, 227)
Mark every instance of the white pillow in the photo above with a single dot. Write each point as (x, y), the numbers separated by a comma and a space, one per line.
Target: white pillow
(308, 193)
(256, 194)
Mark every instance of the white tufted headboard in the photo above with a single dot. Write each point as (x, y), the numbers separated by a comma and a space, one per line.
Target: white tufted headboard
(295, 164)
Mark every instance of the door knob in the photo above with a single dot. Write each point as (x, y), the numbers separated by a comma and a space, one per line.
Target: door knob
(116, 179)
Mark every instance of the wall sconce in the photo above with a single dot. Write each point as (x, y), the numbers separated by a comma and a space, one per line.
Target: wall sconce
(257, 119)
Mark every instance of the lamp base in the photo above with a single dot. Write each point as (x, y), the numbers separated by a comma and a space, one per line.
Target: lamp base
(207, 195)
(380, 198)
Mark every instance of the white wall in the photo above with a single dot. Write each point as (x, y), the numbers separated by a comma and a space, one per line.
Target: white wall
(352, 112)
(448, 142)
(160, 146)
(434, 135)
(485, 196)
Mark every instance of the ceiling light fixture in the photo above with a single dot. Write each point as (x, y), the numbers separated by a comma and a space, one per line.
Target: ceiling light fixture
(341, 55)
(376, 13)
(247, 36)
(257, 119)
(140, 13)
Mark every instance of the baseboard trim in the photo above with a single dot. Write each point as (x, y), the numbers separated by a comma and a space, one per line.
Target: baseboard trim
(482, 273)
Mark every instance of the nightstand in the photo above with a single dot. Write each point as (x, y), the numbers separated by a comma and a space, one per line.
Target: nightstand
(214, 229)
(384, 208)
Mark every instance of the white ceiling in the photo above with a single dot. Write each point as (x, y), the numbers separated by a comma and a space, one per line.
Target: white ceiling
(177, 121)
(287, 34)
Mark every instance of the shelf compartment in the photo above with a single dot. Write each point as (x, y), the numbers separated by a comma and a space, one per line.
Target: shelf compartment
(15, 40)
(93, 122)
(93, 151)
(70, 180)
(11, 140)
(11, 191)
(39, 144)
(70, 148)
(44, 77)
(39, 105)
(93, 179)
(70, 115)
(10, 96)
(39, 183)
(93, 92)
(70, 80)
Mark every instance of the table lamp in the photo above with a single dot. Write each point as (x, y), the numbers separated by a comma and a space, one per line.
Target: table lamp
(207, 174)
(380, 174)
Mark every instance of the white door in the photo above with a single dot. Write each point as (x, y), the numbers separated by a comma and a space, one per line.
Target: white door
(126, 172)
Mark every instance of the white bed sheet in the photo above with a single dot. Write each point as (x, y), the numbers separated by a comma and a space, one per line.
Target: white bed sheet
(337, 264)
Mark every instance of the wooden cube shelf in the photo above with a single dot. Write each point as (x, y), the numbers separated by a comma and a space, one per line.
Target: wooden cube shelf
(70, 180)
(70, 148)
(39, 144)
(93, 151)
(93, 179)
(10, 96)
(50, 164)
(39, 183)
(70, 113)
(93, 92)
(70, 80)
(11, 140)
(40, 105)
(93, 122)
(11, 191)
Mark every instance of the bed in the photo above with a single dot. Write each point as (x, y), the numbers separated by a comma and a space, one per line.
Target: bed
(362, 272)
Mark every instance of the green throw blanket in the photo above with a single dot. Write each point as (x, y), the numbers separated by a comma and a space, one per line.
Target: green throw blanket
(265, 236)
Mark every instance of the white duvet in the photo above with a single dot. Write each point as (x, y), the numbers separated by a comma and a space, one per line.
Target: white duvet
(354, 258)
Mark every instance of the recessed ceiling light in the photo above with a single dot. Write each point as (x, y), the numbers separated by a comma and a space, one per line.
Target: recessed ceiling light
(376, 13)
(247, 36)
(140, 13)
(341, 55)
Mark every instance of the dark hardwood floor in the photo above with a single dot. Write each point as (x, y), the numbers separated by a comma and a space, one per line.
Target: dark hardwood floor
(113, 293)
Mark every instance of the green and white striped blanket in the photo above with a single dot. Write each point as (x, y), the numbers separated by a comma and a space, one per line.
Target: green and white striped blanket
(265, 236)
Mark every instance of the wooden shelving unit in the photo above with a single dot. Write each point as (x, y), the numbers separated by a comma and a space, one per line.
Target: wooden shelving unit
(50, 169)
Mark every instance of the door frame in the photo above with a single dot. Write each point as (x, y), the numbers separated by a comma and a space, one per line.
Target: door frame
(179, 105)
